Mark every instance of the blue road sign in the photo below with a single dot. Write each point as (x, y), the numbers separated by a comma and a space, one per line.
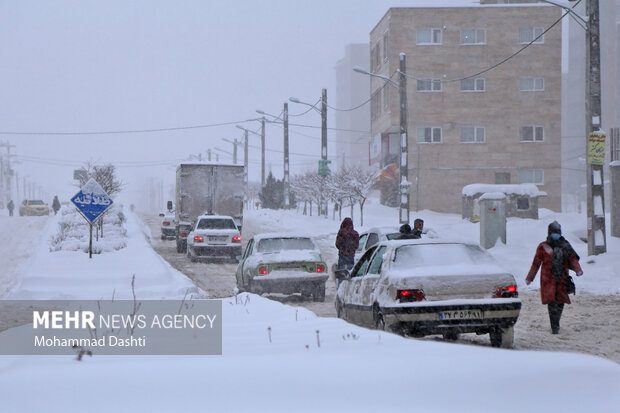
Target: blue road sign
(92, 201)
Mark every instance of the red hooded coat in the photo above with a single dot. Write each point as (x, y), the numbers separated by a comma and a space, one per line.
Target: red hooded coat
(550, 290)
(347, 239)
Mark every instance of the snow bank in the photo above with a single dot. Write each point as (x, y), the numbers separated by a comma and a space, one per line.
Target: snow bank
(73, 232)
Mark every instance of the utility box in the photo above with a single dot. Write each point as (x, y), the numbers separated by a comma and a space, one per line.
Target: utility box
(614, 169)
(492, 218)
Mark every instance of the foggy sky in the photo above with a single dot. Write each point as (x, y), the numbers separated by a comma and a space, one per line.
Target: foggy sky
(86, 66)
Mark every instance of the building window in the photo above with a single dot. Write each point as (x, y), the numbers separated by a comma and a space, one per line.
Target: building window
(502, 178)
(473, 84)
(531, 84)
(386, 97)
(428, 36)
(429, 135)
(471, 134)
(385, 47)
(531, 176)
(528, 34)
(523, 203)
(375, 105)
(473, 36)
(429, 85)
(531, 133)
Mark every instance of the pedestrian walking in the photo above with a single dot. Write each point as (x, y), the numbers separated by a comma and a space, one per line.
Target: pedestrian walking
(10, 206)
(55, 204)
(556, 256)
(406, 232)
(347, 242)
(418, 226)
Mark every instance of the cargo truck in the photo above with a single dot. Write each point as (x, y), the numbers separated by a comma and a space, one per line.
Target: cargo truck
(205, 188)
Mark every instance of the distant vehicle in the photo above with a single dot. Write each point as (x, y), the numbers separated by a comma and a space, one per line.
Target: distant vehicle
(206, 188)
(422, 287)
(167, 225)
(282, 263)
(214, 236)
(33, 207)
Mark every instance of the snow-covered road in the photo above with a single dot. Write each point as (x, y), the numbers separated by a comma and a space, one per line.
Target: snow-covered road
(590, 325)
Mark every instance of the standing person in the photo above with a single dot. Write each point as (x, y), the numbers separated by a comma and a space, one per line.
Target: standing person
(10, 207)
(347, 242)
(557, 256)
(55, 204)
(418, 226)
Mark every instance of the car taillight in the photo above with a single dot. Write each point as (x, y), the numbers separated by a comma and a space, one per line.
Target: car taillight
(410, 295)
(509, 291)
(165, 223)
(183, 234)
(198, 239)
(320, 268)
(236, 239)
(262, 270)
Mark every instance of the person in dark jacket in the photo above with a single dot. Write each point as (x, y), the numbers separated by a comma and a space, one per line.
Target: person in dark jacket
(556, 256)
(10, 206)
(418, 226)
(347, 242)
(55, 204)
(406, 233)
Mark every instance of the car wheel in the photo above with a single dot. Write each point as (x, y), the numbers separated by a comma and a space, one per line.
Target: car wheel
(190, 256)
(451, 336)
(163, 237)
(377, 316)
(319, 293)
(502, 337)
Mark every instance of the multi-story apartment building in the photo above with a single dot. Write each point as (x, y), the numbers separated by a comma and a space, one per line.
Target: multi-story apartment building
(352, 136)
(482, 107)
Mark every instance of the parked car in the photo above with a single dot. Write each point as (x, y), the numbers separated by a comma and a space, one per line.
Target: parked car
(32, 207)
(282, 263)
(373, 236)
(213, 236)
(422, 287)
(167, 225)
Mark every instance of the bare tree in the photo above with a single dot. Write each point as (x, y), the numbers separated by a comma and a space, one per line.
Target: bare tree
(105, 175)
(359, 183)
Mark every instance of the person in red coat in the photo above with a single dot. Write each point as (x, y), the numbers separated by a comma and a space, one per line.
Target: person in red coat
(347, 242)
(556, 256)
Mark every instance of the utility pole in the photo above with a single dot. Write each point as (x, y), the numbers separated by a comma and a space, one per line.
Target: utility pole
(323, 145)
(285, 180)
(597, 243)
(209, 155)
(245, 164)
(404, 144)
(262, 152)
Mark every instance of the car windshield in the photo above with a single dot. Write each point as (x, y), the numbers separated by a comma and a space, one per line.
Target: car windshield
(428, 255)
(393, 235)
(284, 244)
(36, 202)
(216, 223)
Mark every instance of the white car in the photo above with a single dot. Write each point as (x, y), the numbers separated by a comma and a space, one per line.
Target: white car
(374, 236)
(430, 286)
(167, 225)
(282, 263)
(214, 236)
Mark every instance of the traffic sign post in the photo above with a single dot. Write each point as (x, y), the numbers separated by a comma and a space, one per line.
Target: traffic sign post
(91, 202)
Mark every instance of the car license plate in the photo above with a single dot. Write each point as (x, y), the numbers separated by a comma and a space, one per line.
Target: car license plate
(460, 315)
(217, 239)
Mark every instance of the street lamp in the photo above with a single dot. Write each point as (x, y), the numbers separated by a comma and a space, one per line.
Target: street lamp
(285, 179)
(323, 113)
(403, 183)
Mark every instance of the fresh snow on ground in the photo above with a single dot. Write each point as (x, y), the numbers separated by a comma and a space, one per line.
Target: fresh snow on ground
(281, 358)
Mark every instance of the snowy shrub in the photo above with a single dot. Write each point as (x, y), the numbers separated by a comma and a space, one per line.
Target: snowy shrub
(73, 232)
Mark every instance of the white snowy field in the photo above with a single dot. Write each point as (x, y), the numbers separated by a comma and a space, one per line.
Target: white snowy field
(310, 363)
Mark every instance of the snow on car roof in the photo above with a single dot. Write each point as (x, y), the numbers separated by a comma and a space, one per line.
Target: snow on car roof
(265, 235)
(382, 230)
(214, 217)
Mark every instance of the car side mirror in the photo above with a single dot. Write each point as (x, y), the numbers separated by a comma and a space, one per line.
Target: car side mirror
(161, 215)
